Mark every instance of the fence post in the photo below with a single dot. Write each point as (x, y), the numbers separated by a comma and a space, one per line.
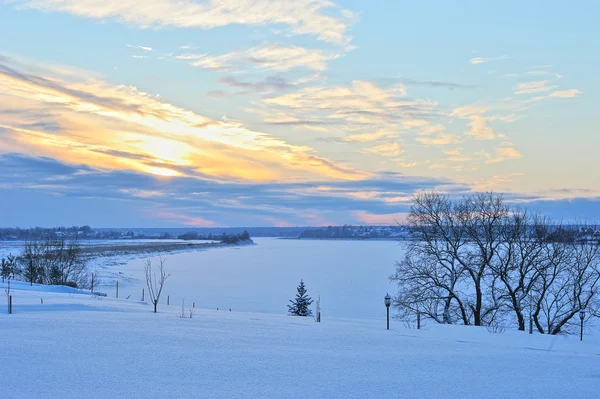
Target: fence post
(92, 289)
(142, 295)
(10, 304)
(194, 304)
(418, 320)
(168, 300)
(117, 288)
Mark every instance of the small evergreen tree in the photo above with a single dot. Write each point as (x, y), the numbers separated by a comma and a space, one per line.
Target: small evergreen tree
(299, 306)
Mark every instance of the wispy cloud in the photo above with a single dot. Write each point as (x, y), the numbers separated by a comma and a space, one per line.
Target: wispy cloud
(303, 17)
(385, 149)
(428, 83)
(479, 128)
(481, 60)
(182, 219)
(534, 87)
(440, 139)
(566, 93)
(155, 137)
(545, 73)
(144, 48)
(504, 153)
(360, 107)
(271, 56)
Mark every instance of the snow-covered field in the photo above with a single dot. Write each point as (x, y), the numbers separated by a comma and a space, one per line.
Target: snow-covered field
(81, 346)
(350, 276)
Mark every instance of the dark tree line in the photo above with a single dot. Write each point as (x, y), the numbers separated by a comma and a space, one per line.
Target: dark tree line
(478, 261)
(224, 238)
(51, 261)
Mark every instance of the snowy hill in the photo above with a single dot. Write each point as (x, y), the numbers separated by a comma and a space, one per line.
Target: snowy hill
(76, 345)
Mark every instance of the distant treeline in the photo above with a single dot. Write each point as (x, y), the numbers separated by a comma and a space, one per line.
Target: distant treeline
(224, 238)
(87, 233)
(356, 232)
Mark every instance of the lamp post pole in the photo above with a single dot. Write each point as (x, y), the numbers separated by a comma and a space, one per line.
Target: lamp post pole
(388, 302)
(530, 314)
(581, 317)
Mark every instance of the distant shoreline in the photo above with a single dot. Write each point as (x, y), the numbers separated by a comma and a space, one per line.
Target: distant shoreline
(114, 254)
(342, 239)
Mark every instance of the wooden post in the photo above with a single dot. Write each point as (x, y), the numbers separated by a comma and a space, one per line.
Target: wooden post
(418, 320)
(92, 289)
(117, 288)
(41, 301)
(142, 295)
(168, 300)
(10, 304)
(194, 304)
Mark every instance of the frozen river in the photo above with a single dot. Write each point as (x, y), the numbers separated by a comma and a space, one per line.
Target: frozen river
(350, 276)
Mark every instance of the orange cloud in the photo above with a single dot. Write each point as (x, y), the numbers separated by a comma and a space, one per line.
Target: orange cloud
(381, 219)
(86, 120)
(192, 221)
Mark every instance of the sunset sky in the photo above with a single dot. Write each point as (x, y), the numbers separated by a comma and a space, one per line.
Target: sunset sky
(199, 113)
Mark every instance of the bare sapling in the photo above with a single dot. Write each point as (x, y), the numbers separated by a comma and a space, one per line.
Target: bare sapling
(155, 282)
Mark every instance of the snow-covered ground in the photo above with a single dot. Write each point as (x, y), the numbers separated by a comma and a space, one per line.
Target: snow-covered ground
(80, 346)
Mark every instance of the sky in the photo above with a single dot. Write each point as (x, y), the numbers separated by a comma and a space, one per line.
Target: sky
(202, 113)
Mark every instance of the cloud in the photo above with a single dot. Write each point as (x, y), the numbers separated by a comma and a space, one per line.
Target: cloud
(385, 149)
(90, 118)
(303, 17)
(435, 83)
(144, 48)
(545, 73)
(571, 93)
(181, 219)
(368, 137)
(270, 56)
(566, 93)
(268, 84)
(139, 56)
(534, 87)
(390, 219)
(360, 107)
(478, 124)
(202, 201)
(481, 60)
(439, 139)
(456, 155)
(504, 153)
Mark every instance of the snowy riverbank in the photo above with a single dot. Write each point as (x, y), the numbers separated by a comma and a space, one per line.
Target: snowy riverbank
(106, 347)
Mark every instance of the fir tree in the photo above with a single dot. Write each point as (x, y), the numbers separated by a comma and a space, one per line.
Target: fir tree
(299, 306)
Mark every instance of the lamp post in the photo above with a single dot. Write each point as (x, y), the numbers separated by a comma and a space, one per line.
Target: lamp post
(388, 302)
(530, 313)
(581, 317)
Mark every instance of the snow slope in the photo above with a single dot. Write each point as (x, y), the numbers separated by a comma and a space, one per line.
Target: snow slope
(79, 345)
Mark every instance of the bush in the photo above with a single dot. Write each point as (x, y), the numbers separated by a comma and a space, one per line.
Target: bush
(71, 284)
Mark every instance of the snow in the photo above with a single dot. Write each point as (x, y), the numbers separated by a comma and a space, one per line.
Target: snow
(78, 345)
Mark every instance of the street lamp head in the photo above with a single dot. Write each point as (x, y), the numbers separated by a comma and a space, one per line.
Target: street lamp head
(388, 300)
(582, 314)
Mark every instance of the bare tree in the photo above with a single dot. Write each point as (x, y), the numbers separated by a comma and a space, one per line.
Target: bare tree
(444, 272)
(63, 263)
(477, 261)
(567, 285)
(155, 283)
